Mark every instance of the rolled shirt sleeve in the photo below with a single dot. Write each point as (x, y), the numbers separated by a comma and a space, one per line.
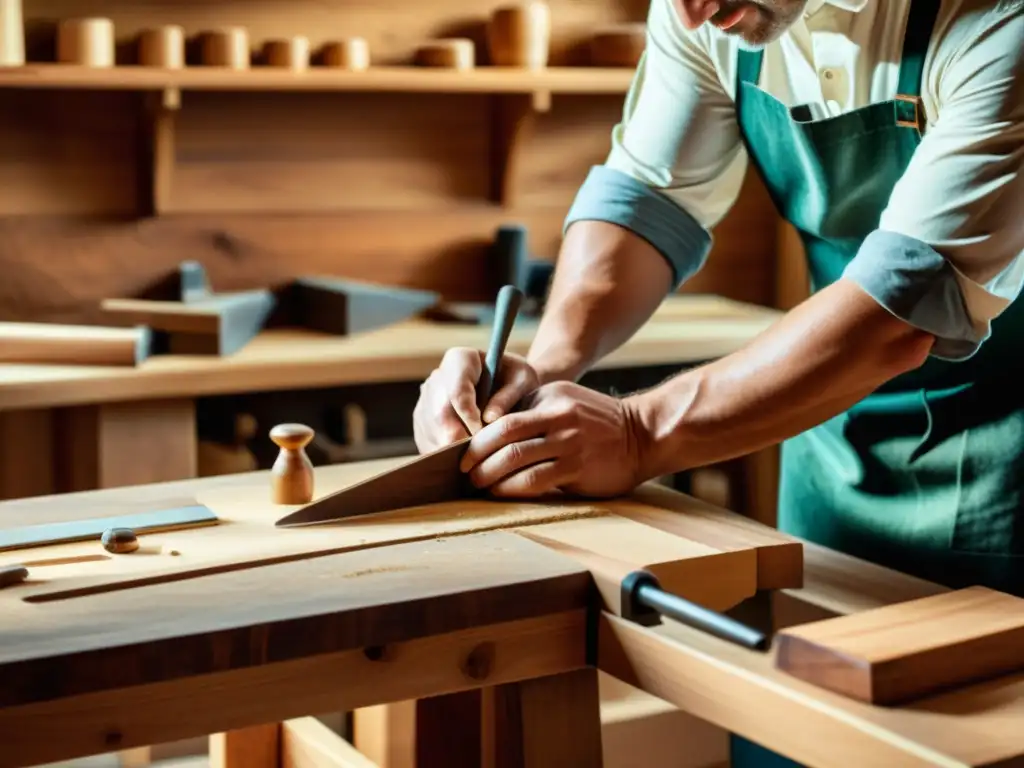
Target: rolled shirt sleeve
(948, 255)
(677, 160)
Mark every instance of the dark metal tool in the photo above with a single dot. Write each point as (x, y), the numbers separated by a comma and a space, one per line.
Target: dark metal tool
(645, 602)
(429, 479)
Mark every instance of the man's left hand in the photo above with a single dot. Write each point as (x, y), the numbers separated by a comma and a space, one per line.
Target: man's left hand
(566, 438)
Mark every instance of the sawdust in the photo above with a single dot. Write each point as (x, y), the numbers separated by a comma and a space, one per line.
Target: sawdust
(381, 569)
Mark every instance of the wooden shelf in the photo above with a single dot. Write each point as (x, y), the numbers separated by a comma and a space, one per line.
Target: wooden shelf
(496, 80)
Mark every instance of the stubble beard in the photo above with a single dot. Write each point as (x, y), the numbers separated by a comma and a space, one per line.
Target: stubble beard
(774, 17)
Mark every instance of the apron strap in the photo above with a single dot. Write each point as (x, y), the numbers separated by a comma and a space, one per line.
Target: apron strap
(748, 68)
(908, 105)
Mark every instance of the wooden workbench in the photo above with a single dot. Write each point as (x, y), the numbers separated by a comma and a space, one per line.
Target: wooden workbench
(68, 428)
(234, 653)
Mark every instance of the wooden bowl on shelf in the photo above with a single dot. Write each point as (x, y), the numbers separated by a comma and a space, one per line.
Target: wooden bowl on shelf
(618, 45)
(452, 53)
(162, 47)
(352, 54)
(287, 53)
(87, 42)
(227, 47)
(520, 35)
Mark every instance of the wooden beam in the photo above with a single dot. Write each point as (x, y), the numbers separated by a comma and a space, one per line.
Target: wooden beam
(257, 746)
(212, 703)
(307, 743)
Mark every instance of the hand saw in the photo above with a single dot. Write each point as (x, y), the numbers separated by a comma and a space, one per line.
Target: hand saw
(428, 479)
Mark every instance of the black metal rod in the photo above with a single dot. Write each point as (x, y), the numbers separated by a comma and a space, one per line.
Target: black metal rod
(700, 617)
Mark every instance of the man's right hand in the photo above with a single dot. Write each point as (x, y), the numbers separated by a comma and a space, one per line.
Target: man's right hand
(447, 409)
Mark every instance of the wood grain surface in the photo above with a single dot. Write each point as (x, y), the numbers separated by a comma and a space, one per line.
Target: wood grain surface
(278, 613)
(904, 651)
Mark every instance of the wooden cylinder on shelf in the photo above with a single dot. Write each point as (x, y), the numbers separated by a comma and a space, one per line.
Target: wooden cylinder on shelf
(87, 42)
(289, 53)
(52, 344)
(226, 48)
(618, 45)
(453, 53)
(520, 35)
(12, 34)
(162, 47)
(352, 54)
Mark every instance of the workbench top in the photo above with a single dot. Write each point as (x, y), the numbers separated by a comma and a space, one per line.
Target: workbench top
(685, 329)
(382, 621)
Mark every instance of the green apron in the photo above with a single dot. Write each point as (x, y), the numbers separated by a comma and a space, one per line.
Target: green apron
(926, 475)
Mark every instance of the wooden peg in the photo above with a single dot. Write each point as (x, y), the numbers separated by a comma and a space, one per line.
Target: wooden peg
(226, 48)
(87, 42)
(618, 45)
(352, 54)
(520, 35)
(162, 47)
(454, 53)
(12, 34)
(292, 473)
(289, 53)
(12, 574)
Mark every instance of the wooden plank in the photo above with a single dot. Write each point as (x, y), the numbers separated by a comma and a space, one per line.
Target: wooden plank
(26, 453)
(256, 746)
(307, 743)
(160, 520)
(361, 599)
(55, 344)
(780, 562)
(277, 690)
(612, 547)
(905, 651)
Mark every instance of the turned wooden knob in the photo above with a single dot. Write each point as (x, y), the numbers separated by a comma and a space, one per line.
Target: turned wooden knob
(12, 34)
(520, 35)
(618, 45)
(290, 53)
(292, 474)
(226, 48)
(352, 54)
(454, 53)
(120, 541)
(87, 42)
(162, 47)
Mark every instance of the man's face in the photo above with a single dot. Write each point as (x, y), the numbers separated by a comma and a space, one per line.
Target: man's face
(754, 22)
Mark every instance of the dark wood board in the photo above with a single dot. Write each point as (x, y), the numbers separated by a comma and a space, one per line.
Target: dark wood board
(278, 613)
(908, 650)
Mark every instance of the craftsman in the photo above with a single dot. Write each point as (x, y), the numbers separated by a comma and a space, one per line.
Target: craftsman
(890, 133)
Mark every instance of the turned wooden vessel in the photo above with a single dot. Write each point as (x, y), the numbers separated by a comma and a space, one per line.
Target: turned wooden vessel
(291, 476)
(520, 35)
(12, 34)
(352, 54)
(226, 48)
(288, 53)
(618, 45)
(453, 53)
(162, 47)
(86, 42)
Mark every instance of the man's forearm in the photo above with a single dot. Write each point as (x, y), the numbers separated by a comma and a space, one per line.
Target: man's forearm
(821, 358)
(607, 283)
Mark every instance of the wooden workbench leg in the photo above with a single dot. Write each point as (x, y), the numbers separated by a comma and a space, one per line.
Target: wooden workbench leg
(117, 444)
(255, 747)
(549, 722)
(26, 453)
(441, 730)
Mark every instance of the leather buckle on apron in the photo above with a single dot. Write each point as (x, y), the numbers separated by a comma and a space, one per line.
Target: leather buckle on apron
(915, 101)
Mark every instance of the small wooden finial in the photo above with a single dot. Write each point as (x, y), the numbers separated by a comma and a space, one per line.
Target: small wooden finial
(292, 473)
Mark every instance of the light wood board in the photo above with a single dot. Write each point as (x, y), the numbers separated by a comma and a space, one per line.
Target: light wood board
(904, 651)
